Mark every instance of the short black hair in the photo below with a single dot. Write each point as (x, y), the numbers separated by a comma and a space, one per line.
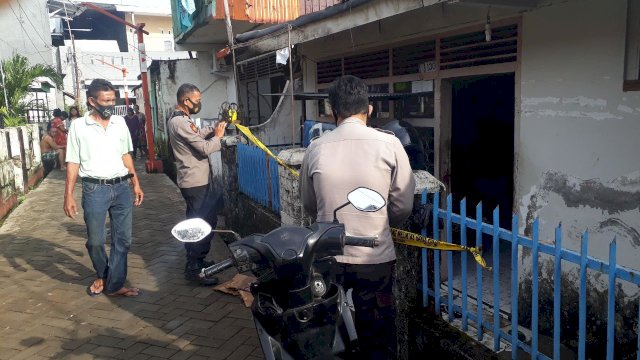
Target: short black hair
(64, 115)
(57, 113)
(98, 85)
(184, 90)
(349, 95)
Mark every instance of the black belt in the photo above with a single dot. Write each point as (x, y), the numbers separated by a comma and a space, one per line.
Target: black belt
(113, 181)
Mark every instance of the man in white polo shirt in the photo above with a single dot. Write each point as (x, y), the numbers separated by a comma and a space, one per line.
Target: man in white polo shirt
(98, 149)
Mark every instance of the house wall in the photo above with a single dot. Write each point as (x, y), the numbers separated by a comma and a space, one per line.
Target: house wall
(575, 147)
(160, 29)
(24, 26)
(214, 87)
(578, 160)
(174, 73)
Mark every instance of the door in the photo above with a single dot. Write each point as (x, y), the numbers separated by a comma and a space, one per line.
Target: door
(482, 143)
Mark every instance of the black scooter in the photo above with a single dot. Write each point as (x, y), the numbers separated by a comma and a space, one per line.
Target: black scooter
(300, 312)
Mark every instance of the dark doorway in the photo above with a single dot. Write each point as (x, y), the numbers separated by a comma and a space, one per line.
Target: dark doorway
(481, 168)
(482, 147)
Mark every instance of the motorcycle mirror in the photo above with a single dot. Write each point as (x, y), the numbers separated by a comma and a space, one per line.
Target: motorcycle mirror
(191, 230)
(367, 200)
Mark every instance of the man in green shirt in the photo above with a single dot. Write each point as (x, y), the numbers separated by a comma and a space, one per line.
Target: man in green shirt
(98, 149)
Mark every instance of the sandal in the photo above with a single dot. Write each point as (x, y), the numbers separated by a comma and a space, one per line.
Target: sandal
(92, 293)
(126, 292)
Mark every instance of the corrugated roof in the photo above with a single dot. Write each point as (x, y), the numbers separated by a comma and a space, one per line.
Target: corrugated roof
(280, 11)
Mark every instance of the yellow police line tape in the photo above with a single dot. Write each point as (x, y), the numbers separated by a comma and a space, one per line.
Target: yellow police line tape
(399, 236)
(412, 239)
(247, 132)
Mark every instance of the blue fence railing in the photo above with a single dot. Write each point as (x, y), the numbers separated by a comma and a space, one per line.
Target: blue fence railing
(258, 176)
(516, 242)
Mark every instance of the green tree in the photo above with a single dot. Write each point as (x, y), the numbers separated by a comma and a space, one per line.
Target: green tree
(19, 75)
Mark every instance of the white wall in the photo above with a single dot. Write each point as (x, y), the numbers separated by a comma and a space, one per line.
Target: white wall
(197, 72)
(578, 161)
(24, 26)
(159, 28)
(214, 90)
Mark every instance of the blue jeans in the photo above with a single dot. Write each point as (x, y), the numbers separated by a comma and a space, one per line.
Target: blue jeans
(117, 201)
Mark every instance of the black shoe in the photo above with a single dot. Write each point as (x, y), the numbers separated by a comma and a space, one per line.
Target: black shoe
(195, 278)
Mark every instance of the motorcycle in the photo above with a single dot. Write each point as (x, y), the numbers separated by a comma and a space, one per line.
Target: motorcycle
(299, 310)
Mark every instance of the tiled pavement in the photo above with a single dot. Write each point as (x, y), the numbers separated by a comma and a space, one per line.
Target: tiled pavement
(44, 269)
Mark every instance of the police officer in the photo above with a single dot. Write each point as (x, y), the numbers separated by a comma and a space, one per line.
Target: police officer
(191, 148)
(351, 156)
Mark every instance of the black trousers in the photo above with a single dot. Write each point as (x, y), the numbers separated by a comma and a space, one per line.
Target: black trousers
(374, 303)
(201, 203)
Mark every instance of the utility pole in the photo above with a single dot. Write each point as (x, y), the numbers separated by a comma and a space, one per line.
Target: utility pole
(227, 18)
(152, 164)
(76, 73)
(126, 88)
(4, 87)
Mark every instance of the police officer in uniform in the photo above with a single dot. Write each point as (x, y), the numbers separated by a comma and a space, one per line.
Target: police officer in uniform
(351, 156)
(191, 148)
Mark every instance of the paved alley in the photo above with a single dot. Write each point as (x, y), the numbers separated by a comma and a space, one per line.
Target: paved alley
(44, 270)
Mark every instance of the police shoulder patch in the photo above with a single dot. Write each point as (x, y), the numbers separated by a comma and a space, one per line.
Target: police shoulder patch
(386, 131)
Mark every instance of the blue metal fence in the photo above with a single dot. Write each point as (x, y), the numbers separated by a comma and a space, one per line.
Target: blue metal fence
(258, 176)
(517, 242)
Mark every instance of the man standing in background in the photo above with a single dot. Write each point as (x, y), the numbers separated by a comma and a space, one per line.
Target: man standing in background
(142, 142)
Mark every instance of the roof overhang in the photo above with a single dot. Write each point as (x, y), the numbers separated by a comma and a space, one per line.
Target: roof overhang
(63, 8)
(513, 4)
(343, 17)
(323, 23)
(42, 84)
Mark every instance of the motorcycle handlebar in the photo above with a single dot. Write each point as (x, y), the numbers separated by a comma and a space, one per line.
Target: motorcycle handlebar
(216, 268)
(365, 241)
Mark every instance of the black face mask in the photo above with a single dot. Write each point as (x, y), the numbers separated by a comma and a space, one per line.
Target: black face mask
(105, 111)
(197, 106)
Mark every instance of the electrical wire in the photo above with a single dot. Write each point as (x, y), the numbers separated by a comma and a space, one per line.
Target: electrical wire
(26, 33)
(47, 45)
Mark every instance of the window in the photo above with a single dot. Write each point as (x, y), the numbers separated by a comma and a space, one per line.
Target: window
(632, 60)
(419, 106)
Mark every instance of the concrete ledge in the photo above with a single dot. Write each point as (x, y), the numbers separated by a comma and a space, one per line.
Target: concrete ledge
(35, 177)
(8, 204)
